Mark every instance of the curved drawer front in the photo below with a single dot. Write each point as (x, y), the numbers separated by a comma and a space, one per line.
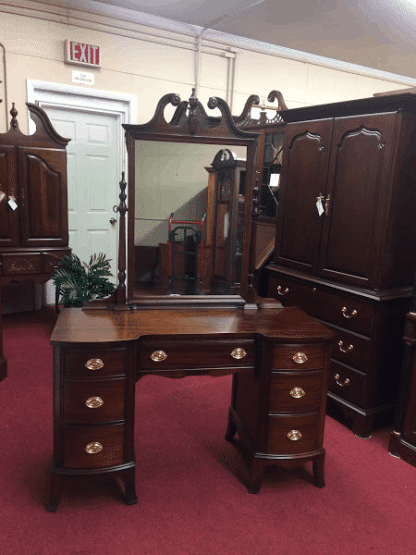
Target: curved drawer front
(295, 391)
(93, 446)
(303, 357)
(21, 264)
(94, 362)
(347, 383)
(352, 313)
(162, 356)
(350, 348)
(294, 434)
(93, 401)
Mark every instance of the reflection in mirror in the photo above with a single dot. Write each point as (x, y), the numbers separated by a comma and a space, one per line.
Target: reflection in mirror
(189, 215)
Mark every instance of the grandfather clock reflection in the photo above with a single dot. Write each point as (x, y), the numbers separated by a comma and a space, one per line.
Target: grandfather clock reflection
(227, 236)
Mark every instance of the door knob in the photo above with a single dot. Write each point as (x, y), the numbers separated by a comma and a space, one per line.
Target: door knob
(113, 221)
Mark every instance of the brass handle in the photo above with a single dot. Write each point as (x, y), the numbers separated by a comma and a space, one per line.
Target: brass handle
(341, 384)
(94, 364)
(294, 435)
(344, 349)
(281, 291)
(94, 402)
(158, 356)
(238, 353)
(297, 393)
(300, 358)
(93, 448)
(344, 311)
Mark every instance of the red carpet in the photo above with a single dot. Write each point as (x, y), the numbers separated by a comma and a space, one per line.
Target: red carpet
(189, 480)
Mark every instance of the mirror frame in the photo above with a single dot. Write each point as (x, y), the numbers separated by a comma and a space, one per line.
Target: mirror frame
(191, 124)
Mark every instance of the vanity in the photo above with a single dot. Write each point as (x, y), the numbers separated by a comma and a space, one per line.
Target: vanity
(279, 357)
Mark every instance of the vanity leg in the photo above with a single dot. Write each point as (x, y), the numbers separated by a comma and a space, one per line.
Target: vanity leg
(129, 478)
(55, 492)
(256, 475)
(231, 429)
(318, 470)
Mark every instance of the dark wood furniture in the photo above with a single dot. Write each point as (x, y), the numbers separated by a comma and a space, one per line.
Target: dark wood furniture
(402, 442)
(345, 241)
(279, 358)
(33, 204)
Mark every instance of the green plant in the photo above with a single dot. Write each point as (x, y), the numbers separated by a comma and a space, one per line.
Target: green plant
(78, 282)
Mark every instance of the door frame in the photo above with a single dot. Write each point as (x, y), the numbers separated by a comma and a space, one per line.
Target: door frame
(80, 99)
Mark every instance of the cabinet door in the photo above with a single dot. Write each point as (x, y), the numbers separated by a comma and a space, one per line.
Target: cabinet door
(359, 198)
(303, 180)
(43, 196)
(9, 223)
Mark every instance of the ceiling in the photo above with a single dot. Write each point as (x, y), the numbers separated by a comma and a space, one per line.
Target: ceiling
(378, 34)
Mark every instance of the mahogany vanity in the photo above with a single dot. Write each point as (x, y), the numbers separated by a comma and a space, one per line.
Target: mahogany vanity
(279, 357)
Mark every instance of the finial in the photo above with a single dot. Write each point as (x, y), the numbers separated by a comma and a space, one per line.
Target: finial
(13, 113)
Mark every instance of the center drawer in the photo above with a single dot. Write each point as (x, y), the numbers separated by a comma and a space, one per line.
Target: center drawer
(160, 355)
(295, 391)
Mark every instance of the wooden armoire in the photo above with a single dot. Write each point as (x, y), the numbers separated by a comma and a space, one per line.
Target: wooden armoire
(346, 238)
(33, 204)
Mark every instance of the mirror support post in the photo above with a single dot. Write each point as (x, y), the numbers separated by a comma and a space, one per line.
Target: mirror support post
(122, 209)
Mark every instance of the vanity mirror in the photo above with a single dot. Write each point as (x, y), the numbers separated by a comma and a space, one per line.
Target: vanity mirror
(190, 203)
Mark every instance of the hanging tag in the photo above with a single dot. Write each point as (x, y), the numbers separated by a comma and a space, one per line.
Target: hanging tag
(2, 195)
(12, 203)
(320, 205)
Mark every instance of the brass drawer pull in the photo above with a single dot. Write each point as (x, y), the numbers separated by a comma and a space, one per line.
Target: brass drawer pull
(344, 311)
(238, 353)
(93, 448)
(299, 358)
(94, 364)
(345, 349)
(297, 393)
(294, 435)
(341, 384)
(158, 356)
(281, 291)
(94, 402)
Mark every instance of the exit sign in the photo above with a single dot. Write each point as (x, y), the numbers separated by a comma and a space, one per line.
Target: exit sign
(82, 54)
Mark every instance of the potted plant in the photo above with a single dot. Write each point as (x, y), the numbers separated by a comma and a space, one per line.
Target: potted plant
(77, 282)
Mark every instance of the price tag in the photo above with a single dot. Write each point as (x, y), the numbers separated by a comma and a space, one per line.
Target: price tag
(2, 195)
(320, 205)
(12, 203)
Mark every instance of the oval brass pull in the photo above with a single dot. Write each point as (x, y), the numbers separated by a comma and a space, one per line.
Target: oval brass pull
(158, 356)
(281, 291)
(94, 402)
(299, 358)
(94, 364)
(294, 435)
(341, 384)
(93, 448)
(297, 393)
(344, 311)
(345, 349)
(238, 353)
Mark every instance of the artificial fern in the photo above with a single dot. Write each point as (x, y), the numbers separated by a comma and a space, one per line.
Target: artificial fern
(78, 282)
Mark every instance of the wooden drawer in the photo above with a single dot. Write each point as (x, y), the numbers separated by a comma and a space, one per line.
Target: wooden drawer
(350, 348)
(296, 391)
(350, 312)
(347, 383)
(306, 425)
(94, 362)
(21, 264)
(301, 357)
(92, 402)
(110, 438)
(195, 354)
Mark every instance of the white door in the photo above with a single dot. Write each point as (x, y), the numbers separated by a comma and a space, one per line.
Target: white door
(93, 177)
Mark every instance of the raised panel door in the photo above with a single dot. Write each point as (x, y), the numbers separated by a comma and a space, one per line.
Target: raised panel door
(9, 223)
(358, 199)
(303, 181)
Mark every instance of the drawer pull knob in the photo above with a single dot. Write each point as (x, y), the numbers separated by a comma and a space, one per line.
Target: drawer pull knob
(94, 402)
(347, 314)
(281, 291)
(94, 364)
(297, 392)
(158, 356)
(294, 435)
(93, 448)
(238, 353)
(299, 358)
(341, 384)
(345, 349)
